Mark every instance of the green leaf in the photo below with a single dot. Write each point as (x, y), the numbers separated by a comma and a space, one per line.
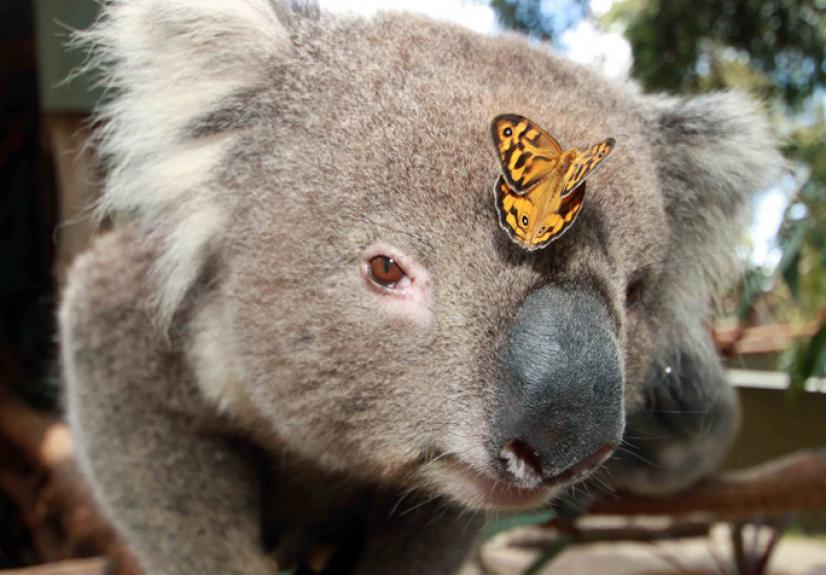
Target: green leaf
(513, 521)
(789, 265)
(546, 557)
(813, 359)
(753, 284)
(809, 361)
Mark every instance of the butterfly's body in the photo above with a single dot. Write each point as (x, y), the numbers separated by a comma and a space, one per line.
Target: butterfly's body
(540, 191)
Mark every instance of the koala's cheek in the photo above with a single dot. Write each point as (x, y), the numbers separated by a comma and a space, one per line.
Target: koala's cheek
(417, 309)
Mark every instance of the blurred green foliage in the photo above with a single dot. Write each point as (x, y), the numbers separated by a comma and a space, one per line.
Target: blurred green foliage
(776, 50)
(778, 46)
(803, 240)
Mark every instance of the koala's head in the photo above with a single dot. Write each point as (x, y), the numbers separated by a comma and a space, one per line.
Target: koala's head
(331, 180)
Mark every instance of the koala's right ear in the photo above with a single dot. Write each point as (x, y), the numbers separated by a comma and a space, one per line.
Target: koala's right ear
(713, 153)
(182, 79)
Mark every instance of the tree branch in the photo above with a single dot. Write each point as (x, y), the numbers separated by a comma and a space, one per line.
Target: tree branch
(82, 567)
(793, 483)
(64, 499)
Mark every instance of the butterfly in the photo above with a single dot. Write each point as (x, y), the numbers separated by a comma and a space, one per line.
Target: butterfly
(540, 191)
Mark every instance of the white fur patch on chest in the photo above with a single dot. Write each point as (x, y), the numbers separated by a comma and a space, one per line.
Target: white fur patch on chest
(212, 357)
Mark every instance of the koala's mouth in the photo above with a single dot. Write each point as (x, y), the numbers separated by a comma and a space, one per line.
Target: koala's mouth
(511, 489)
(478, 490)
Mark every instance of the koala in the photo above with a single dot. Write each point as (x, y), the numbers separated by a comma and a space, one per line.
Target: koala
(308, 336)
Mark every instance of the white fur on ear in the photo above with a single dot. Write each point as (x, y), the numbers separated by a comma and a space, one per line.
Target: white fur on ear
(166, 66)
(713, 150)
(713, 153)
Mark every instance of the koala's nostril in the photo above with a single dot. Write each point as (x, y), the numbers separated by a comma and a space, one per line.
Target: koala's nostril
(521, 460)
(599, 456)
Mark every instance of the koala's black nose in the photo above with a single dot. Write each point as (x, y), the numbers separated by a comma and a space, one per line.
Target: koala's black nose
(561, 411)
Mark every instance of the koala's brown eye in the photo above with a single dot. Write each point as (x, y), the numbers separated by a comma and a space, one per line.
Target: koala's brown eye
(385, 271)
(632, 295)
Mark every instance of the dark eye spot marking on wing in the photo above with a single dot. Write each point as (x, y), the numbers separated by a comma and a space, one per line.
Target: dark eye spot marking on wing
(524, 220)
(507, 132)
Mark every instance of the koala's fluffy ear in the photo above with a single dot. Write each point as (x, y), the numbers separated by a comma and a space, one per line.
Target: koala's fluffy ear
(713, 153)
(181, 79)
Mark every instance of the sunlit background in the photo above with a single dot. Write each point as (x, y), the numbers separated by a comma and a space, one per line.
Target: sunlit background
(770, 326)
(584, 38)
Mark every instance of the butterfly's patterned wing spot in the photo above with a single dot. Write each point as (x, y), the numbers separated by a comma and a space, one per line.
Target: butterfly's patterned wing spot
(585, 164)
(526, 152)
(515, 212)
(558, 223)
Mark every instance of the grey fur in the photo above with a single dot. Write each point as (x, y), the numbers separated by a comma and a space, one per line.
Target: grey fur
(223, 355)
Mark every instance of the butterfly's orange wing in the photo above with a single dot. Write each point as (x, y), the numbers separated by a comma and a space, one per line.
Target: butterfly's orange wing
(515, 213)
(526, 152)
(557, 223)
(541, 190)
(522, 218)
(585, 164)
